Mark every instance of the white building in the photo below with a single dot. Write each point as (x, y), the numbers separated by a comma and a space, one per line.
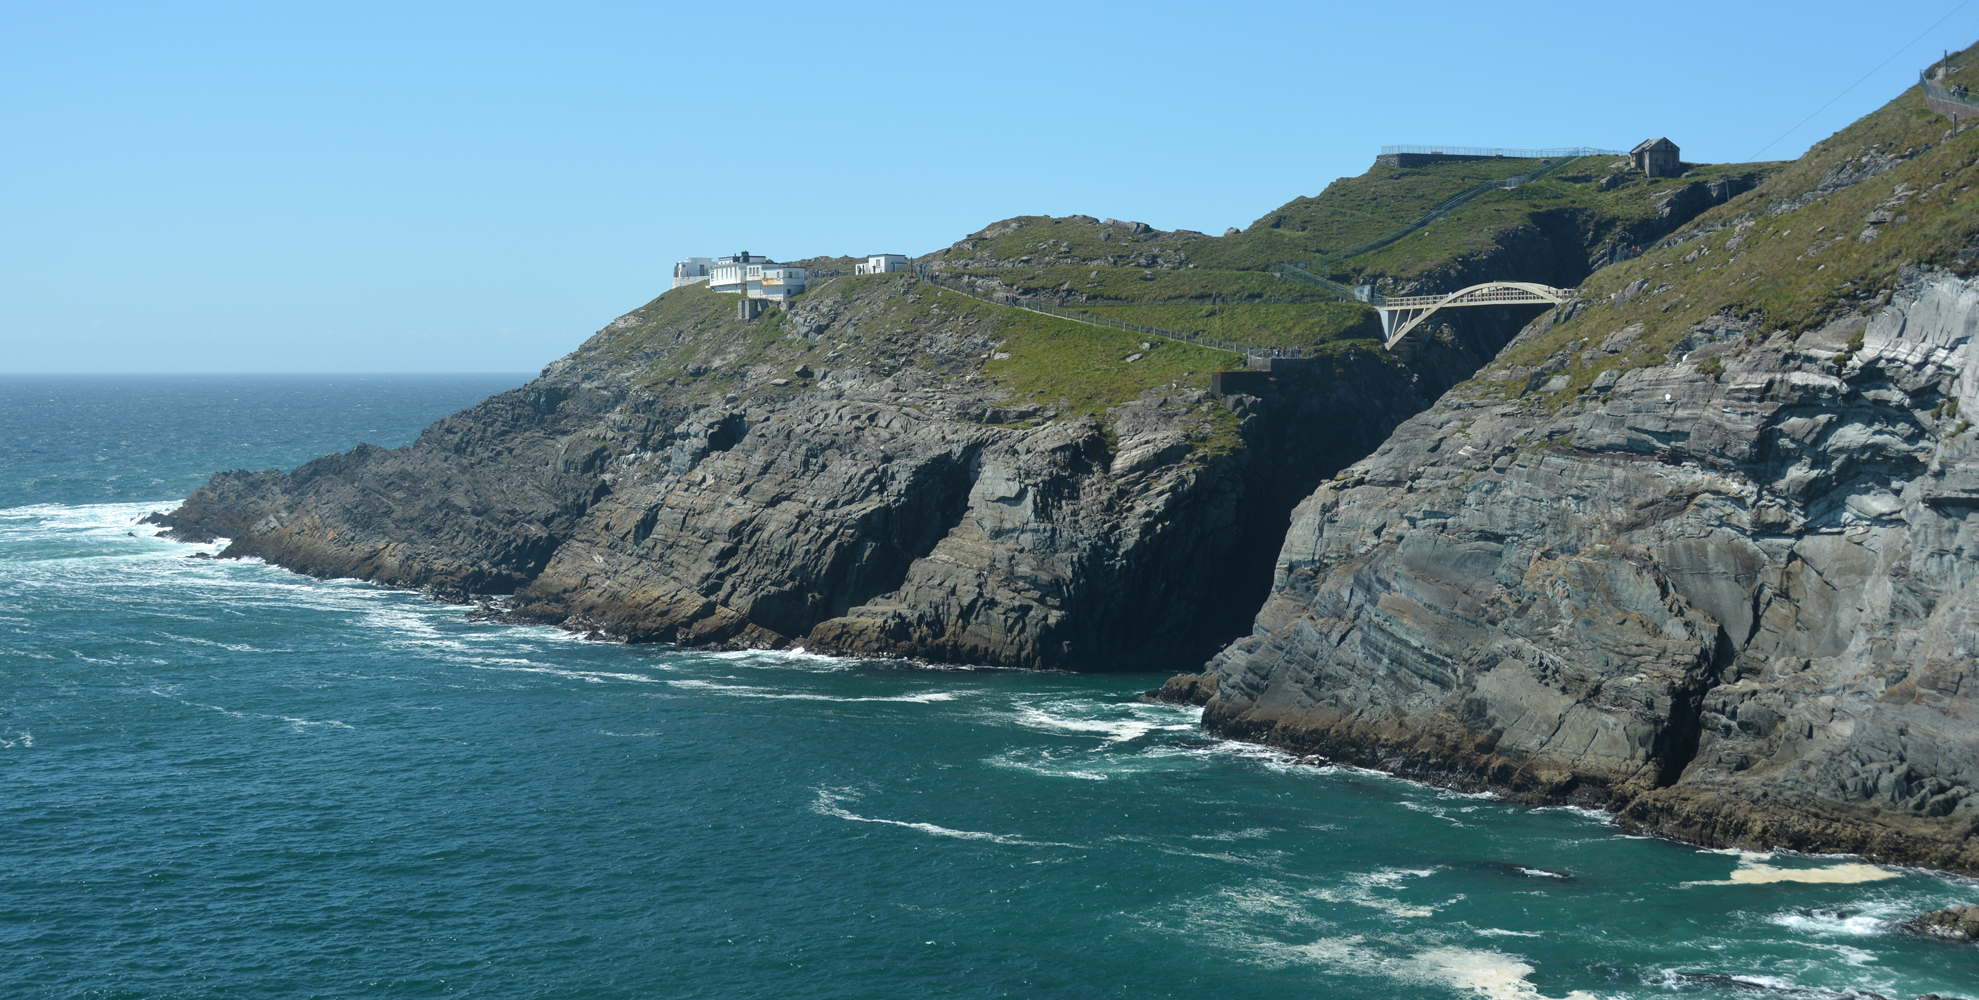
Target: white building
(881, 263)
(756, 276)
(691, 270)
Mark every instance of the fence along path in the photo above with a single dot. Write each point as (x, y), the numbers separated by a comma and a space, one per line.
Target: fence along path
(1046, 309)
(1295, 270)
(1300, 271)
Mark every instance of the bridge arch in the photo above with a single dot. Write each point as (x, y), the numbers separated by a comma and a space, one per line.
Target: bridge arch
(1401, 314)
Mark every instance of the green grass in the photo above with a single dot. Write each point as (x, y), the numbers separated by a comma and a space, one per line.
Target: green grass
(1079, 369)
(1133, 284)
(1795, 271)
(1475, 228)
(1262, 325)
(1042, 238)
(1355, 210)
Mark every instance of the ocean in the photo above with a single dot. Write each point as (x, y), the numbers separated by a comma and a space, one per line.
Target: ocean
(221, 779)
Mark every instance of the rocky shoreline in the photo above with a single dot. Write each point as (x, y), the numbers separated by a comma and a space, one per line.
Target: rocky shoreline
(1705, 604)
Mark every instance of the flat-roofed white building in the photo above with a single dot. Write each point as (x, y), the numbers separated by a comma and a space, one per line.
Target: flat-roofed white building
(691, 270)
(881, 263)
(754, 276)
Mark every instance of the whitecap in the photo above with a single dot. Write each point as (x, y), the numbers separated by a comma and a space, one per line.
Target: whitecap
(749, 691)
(1249, 833)
(1365, 889)
(587, 676)
(299, 724)
(1830, 923)
(827, 804)
(1088, 718)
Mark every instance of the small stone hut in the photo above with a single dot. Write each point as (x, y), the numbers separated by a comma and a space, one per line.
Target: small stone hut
(1657, 158)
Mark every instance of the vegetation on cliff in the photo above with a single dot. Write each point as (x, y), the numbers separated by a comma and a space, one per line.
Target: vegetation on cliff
(1698, 546)
(1824, 238)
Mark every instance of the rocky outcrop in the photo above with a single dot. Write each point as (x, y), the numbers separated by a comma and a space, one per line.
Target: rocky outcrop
(1728, 595)
(841, 476)
(1184, 689)
(1960, 923)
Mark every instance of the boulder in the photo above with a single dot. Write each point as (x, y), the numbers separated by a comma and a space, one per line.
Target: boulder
(1960, 923)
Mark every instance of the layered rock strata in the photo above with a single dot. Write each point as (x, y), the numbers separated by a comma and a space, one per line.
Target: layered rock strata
(693, 478)
(1728, 595)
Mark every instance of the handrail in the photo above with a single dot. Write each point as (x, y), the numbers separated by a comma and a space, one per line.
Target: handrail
(1936, 93)
(1940, 98)
(1016, 301)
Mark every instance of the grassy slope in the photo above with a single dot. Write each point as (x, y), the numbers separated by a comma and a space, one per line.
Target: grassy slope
(1263, 324)
(1355, 210)
(1175, 280)
(1798, 269)
(688, 341)
(1471, 229)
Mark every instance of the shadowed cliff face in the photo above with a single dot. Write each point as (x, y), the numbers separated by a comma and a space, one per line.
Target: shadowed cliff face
(1736, 609)
(1696, 546)
(851, 475)
(658, 485)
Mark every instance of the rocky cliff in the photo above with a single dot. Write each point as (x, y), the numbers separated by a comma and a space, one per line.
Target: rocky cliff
(861, 473)
(1698, 547)
(892, 467)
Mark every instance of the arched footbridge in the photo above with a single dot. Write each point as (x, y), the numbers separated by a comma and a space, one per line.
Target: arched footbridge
(1402, 313)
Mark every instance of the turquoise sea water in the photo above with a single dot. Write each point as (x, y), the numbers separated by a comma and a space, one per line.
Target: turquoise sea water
(219, 779)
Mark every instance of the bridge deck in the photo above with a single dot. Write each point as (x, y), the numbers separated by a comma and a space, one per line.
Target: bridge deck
(1411, 310)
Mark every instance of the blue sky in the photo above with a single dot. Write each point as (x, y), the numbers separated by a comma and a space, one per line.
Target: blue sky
(275, 188)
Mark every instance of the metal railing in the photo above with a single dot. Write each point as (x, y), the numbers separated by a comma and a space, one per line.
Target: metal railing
(1950, 101)
(1954, 101)
(1510, 154)
(1004, 297)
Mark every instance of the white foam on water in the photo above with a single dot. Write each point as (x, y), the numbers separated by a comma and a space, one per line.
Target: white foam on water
(1830, 923)
(1251, 833)
(1490, 974)
(22, 739)
(1083, 717)
(237, 647)
(1542, 873)
(796, 657)
(1685, 980)
(1365, 889)
(1598, 817)
(827, 804)
(587, 676)
(1501, 932)
(1753, 870)
(749, 691)
(1252, 923)
(298, 724)
(1432, 810)
(1266, 858)
(1048, 767)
